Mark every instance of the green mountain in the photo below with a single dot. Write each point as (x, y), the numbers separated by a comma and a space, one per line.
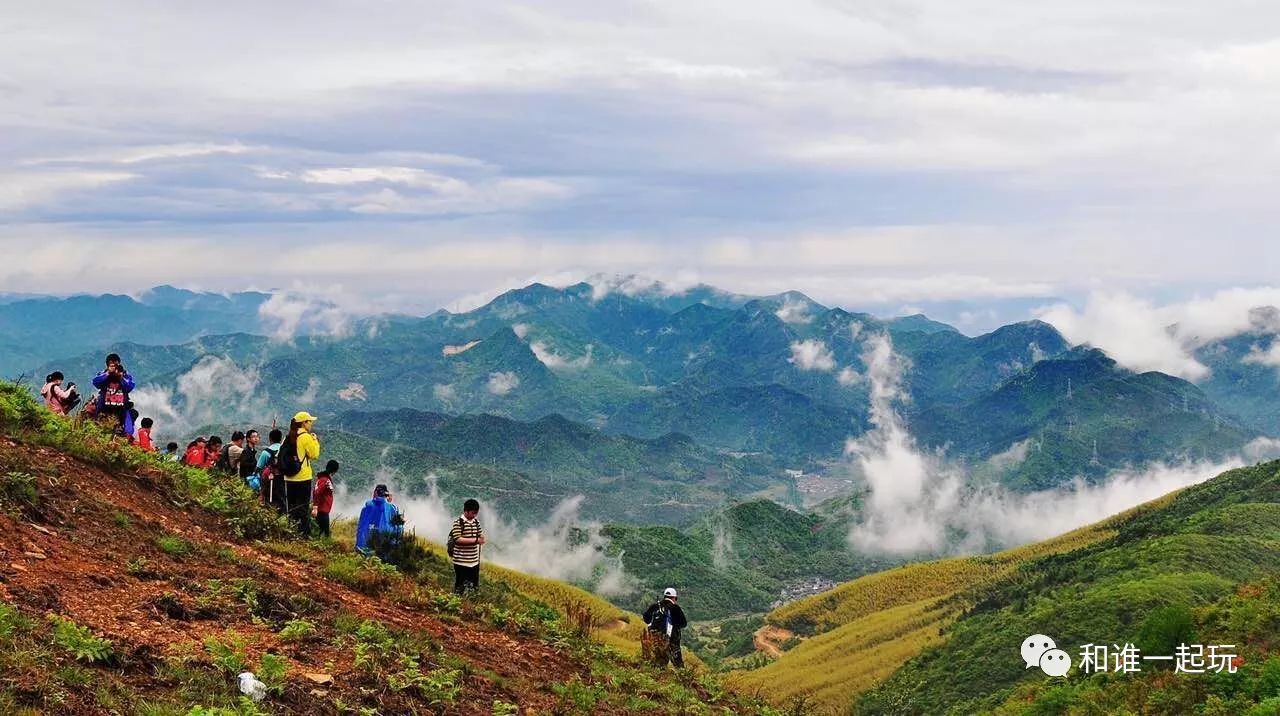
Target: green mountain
(1243, 379)
(36, 330)
(781, 376)
(1081, 414)
(555, 448)
(1200, 566)
(736, 560)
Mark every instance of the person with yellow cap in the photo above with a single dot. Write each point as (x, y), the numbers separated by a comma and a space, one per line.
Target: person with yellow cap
(299, 448)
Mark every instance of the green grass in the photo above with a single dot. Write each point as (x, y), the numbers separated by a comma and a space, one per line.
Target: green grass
(1173, 572)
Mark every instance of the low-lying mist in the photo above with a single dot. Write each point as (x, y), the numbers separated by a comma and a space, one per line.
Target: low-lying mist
(565, 547)
(921, 503)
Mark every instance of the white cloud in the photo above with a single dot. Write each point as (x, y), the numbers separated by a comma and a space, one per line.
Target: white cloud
(1142, 335)
(24, 189)
(520, 329)
(444, 392)
(288, 314)
(308, 396)
(501, 383)
(555, 361)
(812, 355)
(1270, 356)
(214, 390)
(848, 376)
(794, 310)
(564, 547)
(918, 503)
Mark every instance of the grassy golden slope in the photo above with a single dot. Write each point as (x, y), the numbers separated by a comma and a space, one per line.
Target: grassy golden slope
(865, 629)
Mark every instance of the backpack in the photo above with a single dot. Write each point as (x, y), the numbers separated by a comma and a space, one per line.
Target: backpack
(223, 462)
(659, 620)
(70, 402)
(452, 543)
(289, 462)
(248, 464)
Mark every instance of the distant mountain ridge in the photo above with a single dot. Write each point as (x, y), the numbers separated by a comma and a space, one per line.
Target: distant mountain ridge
(780, 376)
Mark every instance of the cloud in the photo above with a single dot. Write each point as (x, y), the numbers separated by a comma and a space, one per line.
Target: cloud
(288, 314)
(1013, 456)
(24, 189)
(554, 361)
(502, 383)
(308, 396)
(848, 376)
(649, 133)
(564, 547)
(1270, 356)
(1142, 335)
(919, 504)
(812, 355)
(444, 392)
(216, 390)
(794, 311)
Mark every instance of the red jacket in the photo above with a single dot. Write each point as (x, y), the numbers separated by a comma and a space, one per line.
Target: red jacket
(323, 496)
(144, 440)
(194, 456)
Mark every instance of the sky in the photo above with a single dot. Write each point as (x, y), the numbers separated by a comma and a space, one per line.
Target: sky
(978, 160)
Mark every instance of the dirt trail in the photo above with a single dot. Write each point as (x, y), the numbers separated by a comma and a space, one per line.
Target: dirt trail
(769, 639)
(89, 552)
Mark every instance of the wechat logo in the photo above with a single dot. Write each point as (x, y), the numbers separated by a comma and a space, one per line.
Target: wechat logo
(1039, 650)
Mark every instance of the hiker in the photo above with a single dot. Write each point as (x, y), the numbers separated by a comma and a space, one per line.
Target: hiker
(269, 474)
(144, 436)
(61, 401)
(114, 385)
(195, 453)
(665, 619)
(323, 497)
(229, 457)
(247, 461)
(171, 453)
(297, 451)
(465, 538)
(379, 526)
(212, 450)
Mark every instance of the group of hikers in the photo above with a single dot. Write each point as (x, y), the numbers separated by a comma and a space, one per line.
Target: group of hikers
(281, 473)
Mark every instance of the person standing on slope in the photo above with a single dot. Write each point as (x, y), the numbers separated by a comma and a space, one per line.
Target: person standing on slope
(114, 385)
(246, 464)
(297, 451)
(269, 471)
(465, 539)
(379, 528)
(323, 497)
(665, 619)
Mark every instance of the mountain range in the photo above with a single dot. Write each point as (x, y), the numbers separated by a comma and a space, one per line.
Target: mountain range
(781, 377)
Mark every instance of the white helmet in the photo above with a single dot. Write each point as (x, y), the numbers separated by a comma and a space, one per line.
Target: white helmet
(671, 592)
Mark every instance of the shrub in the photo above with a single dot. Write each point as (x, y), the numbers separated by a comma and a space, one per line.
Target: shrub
(365, 574)
(79, 641)
(173, 546)
(298, 630)
(272, 671)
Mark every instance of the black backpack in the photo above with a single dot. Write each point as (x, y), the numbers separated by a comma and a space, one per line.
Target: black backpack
(71, 401)
(248, 462)
(223, 462)
(451, 543)
(659, 620)
(288, 460)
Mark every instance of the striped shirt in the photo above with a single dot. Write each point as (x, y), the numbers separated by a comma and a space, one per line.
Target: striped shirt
(466, 555)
